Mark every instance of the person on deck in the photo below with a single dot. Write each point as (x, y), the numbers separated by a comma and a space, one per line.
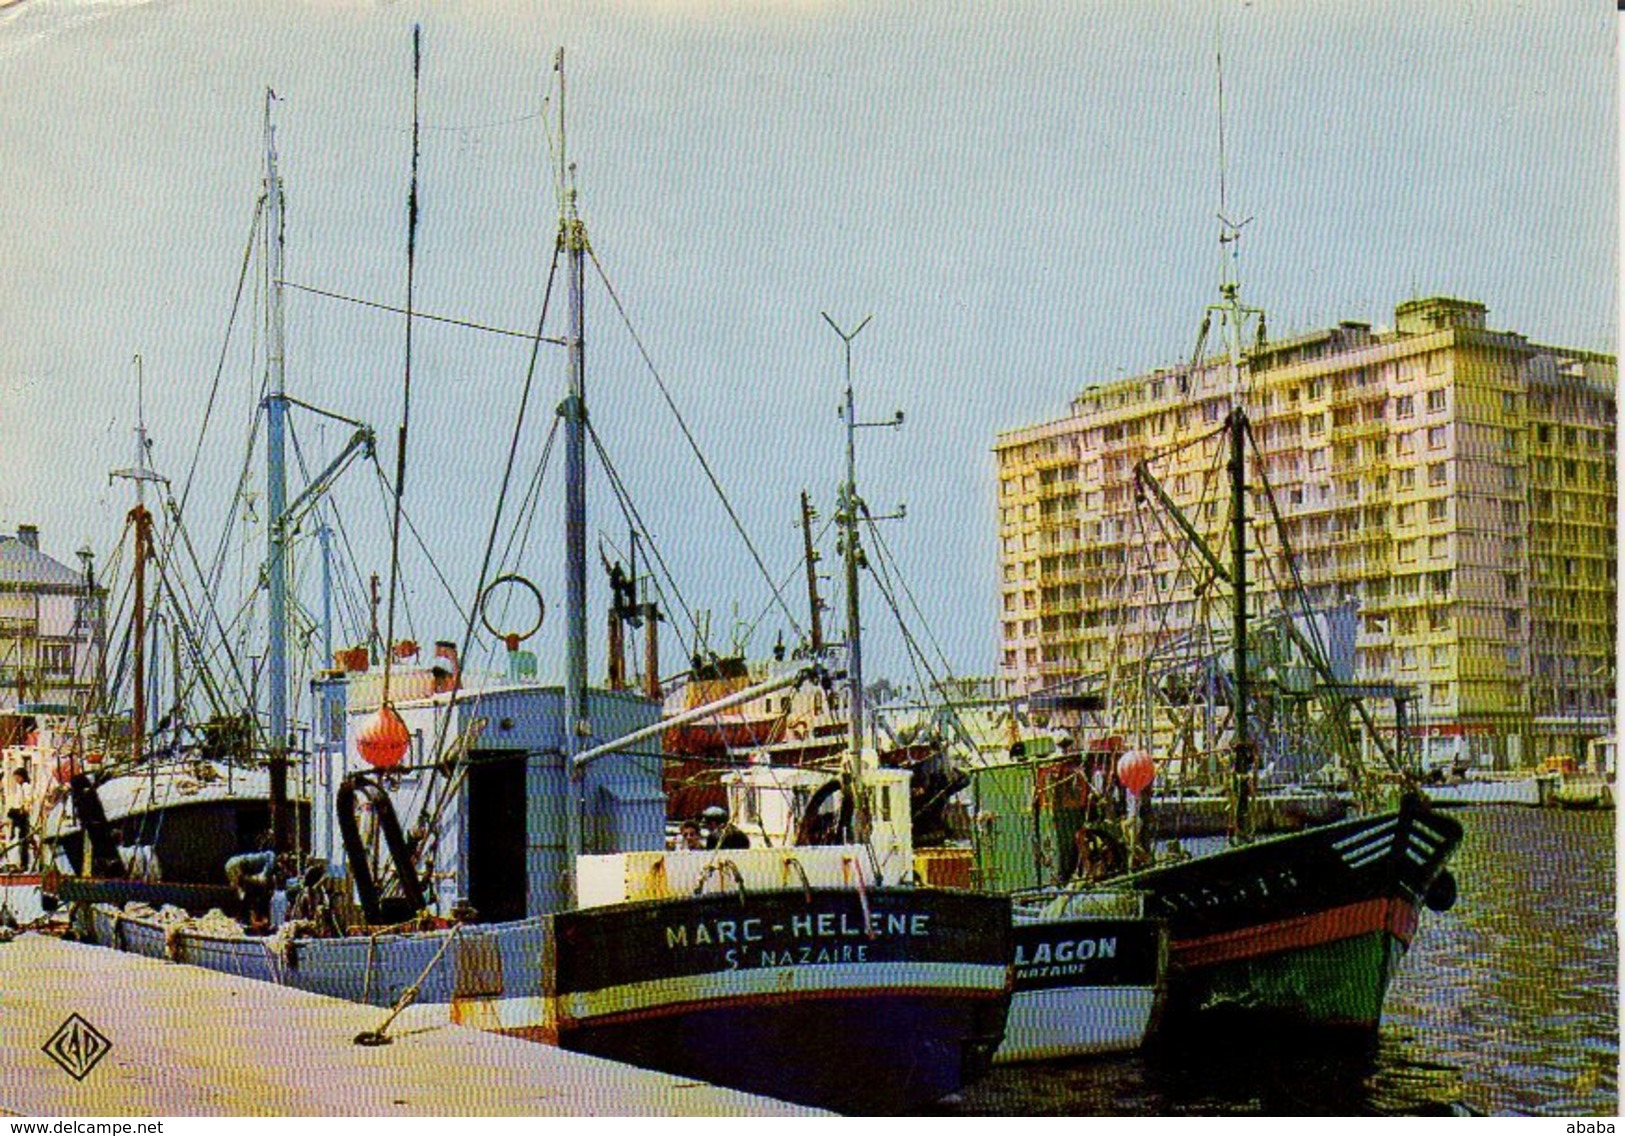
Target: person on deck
(713, 819)
(689, 836)
(19, 797)
(253, 875)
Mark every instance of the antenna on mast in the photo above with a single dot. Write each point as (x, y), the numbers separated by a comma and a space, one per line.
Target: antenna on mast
(1229, 231)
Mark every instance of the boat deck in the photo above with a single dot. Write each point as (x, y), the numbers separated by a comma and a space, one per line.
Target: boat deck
(191, 1042)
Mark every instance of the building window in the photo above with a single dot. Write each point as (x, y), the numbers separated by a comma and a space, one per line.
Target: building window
(1403, 514)
(1439, 693)
(1509, 402)
(1436, 437)
(1407, 658)
(1404, 406)
(1406, 443)
(1439, 656)
(1436, 400)
(1510, 586)
(1436, 474)
(1438, 547)
(1405, 479)
(1438, 619)
(1407, 551)
(56, 659)
(1438, 509)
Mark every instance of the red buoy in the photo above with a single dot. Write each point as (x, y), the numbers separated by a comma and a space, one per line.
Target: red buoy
(383, 739)
(1136, 771)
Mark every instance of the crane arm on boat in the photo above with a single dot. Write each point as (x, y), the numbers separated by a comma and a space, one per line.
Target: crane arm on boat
(361, 440)
(738, 698)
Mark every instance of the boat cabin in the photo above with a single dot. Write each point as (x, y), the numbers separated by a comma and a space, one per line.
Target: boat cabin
(503, 845)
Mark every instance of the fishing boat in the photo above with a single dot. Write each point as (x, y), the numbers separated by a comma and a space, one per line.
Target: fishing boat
(1084, 984)
(151, 813)
(1089, 975)
(497, 853)
(1478, 789)
(1304, 929)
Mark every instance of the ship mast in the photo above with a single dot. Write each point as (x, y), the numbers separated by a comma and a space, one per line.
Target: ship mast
(814, 605)
(1234, 317)
(140, 520)
(847, 515)
(276, 494)
(573, 240)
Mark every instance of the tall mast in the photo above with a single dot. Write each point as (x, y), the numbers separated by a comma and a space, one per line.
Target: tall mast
(324, 533)
(573, 240)
(815, 606)
(141, 525)
(276, 489)
(848, 517)
(1234, 317)
(1242, 762)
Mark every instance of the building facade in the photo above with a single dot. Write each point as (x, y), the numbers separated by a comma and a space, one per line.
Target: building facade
(1451, 485)
(50, 627)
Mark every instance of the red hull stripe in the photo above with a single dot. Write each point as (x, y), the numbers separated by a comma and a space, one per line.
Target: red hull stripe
(1394, 915)
(931, 993)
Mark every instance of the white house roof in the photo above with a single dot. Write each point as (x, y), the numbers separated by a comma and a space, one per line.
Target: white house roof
(23, 566)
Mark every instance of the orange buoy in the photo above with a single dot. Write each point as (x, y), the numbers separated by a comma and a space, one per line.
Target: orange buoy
(383, 739)
(1136, 771)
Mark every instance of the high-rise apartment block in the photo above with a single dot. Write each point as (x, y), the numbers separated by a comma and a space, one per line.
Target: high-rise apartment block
(1453, 485)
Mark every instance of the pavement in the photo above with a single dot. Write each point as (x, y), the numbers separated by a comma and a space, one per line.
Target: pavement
(178, 1040)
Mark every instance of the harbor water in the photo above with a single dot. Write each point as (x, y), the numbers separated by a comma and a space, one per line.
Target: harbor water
(1507, 1004)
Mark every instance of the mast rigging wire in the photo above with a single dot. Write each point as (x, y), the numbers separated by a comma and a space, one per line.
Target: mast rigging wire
(406, 384)
(694, 445)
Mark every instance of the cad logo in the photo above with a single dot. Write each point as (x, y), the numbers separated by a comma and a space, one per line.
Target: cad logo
(77, 1046)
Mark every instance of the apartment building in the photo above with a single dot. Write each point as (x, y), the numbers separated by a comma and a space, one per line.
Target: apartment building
(1450, 486)
(50, 627)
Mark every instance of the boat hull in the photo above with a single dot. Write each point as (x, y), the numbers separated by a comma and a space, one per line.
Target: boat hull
(861, 1002)
(1304, 929)
(1083, 987)
(1530, 791)
(488, 978)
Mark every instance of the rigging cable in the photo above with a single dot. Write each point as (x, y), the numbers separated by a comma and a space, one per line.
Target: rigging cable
(694, 445)
(431, 826)
(220, 366)
(624, 499)
(406, 384)
(469, 324)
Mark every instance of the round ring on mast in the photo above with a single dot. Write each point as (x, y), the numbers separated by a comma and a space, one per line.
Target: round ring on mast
(512, 638)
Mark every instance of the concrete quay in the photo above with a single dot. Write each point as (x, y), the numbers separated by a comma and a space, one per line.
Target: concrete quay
(191, 1042)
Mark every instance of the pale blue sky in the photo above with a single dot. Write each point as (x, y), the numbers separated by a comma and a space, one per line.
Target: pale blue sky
(1021, 195)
